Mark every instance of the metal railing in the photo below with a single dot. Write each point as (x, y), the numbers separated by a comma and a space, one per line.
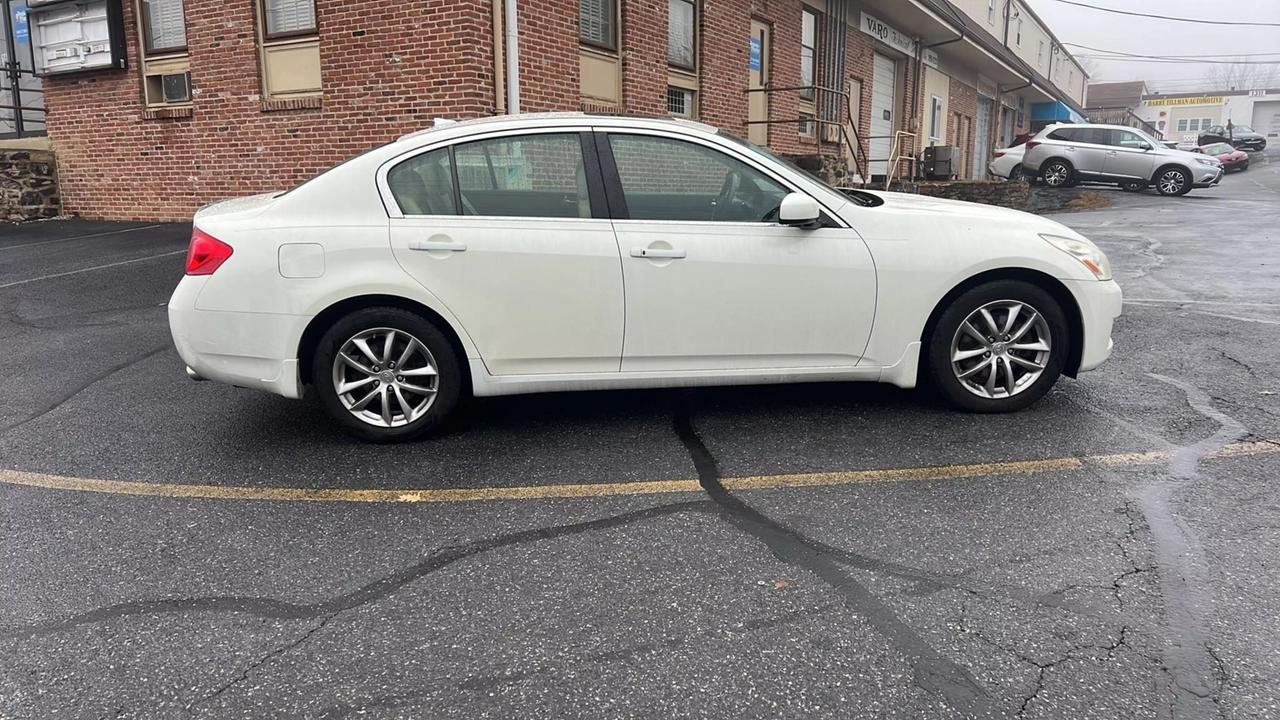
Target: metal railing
(848, 137)
(1121, 116)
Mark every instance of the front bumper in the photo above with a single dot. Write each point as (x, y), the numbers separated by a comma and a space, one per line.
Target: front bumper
(1100, 304)
(252, 350)
(1208, 176)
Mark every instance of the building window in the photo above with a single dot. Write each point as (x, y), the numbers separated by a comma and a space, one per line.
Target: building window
(935, 119)
(808, 51)
(1182, 125)
(290, 45)
(598, 23)
(681, 34)
(991, 12)
(680, 102)
(288, 18)
(164, 26)
(806, 124)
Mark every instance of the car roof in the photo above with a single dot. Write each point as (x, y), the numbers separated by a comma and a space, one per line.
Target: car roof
(549, 119)
(1090, 125)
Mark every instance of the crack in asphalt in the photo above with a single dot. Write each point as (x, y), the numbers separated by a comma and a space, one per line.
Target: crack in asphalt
(932, 672)
(378, 589)
(67, 395)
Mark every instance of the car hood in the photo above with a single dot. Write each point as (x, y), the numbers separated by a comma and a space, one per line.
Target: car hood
(959, 214)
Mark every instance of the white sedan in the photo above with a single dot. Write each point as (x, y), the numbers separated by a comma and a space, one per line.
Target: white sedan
(541, 253)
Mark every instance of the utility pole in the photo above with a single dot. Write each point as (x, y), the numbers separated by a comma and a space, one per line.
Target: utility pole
(1007, 6)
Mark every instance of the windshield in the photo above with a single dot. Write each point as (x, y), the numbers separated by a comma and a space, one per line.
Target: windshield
(1241, 129)
(1218, 149)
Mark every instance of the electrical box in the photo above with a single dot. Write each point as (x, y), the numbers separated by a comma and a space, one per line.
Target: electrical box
(69, 36)
(943, 162)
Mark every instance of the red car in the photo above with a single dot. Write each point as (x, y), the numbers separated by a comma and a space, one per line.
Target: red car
(1231, 158)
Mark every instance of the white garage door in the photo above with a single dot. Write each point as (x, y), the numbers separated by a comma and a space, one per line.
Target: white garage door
(1266, 118)
(884, 83)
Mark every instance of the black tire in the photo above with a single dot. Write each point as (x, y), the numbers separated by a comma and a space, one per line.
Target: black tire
(939, 349)
(1017, 175)
(1133, 186)
(1166, 188)
(1058, 173)
(448, 380)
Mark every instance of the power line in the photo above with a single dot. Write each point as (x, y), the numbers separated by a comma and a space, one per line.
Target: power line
(1226, 56)
(1168, 17)
(1173, 61)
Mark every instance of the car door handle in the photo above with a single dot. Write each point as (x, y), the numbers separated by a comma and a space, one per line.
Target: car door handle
(446, 245)
(658, 253)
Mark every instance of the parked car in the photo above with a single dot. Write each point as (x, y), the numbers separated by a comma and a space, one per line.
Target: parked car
(538, 253)
(1231, 158)
(1242, 137)
(1062, 155)
(1007, 163)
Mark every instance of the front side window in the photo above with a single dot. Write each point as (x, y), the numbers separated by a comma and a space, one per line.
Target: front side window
(597, 23)
(1126, 139)
(423, 185)
(808, 51)
(285, 18)
(680, 33)
(164, 26)
(526, 176)
(667, 179)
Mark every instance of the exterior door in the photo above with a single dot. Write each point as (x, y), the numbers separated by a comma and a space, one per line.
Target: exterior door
(759, 58)
(982, 143)
(520, 249)
(1266, 118)
(713, 282)
(1125, 156)
(884, 84)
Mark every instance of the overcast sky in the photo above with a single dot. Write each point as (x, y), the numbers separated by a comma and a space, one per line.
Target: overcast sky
(1149, 36)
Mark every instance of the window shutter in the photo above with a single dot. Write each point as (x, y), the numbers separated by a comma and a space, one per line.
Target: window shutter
(290, 16)
(595, 21)
(167, 23)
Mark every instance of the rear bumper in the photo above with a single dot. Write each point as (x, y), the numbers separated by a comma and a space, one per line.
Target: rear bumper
(1100, 304)
(252, 350)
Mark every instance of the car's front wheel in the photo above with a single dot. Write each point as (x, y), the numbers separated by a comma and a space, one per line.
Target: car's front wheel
(999, 347)
(386, 374)
(1173, 181)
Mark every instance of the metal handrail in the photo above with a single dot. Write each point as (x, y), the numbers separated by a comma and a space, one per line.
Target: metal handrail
(847, 124)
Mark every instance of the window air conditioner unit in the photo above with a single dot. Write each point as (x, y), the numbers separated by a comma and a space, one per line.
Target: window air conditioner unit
(176, 87)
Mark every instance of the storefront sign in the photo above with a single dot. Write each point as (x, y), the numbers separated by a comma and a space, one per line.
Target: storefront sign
(931, 58)
(1185, 101)
(882, 31)
(21, 28)
(753, 60)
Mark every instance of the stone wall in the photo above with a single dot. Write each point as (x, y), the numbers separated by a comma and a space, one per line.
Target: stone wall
(1016, 195)
(28, 185)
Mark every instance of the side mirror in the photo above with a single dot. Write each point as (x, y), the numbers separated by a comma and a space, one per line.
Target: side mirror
(800, 210)
(1145, 146)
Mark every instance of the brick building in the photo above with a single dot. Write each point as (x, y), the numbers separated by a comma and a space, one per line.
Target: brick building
(230, 97)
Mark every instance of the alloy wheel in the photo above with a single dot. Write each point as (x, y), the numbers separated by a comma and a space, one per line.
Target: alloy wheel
(1172, 182)
(385, 377)
(1057, 175)
(1001, 349)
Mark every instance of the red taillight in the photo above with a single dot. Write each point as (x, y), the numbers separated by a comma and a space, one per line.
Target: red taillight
(206, 254)
(1032, 144)
(1000, 153)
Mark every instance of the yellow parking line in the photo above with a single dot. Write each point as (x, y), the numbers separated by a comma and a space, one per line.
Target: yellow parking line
(592, 490)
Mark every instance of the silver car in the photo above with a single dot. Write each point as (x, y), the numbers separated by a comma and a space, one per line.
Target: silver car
(1062, 155)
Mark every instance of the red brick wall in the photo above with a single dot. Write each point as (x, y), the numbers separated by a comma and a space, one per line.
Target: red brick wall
(387, 68)
(377, 82)
(963, 102)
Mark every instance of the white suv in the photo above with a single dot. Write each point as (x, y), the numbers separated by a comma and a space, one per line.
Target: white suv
(1062, 155)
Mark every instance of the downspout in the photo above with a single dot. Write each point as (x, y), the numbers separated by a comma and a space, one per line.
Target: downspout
(499, 77)
(513, 59)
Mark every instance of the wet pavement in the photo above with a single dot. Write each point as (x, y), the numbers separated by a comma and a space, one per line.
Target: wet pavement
(985, 582)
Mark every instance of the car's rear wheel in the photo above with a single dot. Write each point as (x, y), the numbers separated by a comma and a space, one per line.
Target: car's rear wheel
(1173, 181)
(1133, 186)
(999, 347)
(1058, 173)
(386, 374)
(1017, 175)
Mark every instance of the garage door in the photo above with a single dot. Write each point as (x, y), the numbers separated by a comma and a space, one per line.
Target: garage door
(884, 83)
(1266, 118)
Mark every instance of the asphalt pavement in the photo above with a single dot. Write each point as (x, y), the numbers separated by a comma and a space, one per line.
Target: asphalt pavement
(844, 551)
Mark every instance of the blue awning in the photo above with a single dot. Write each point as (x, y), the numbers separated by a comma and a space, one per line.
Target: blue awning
(1054, 112)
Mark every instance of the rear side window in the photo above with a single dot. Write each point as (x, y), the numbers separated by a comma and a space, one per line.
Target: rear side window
(1065, 134)
(423, 185)
(524, 176)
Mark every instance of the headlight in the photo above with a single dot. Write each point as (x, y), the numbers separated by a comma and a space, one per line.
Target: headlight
(1208, 161)
(1086, 252)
